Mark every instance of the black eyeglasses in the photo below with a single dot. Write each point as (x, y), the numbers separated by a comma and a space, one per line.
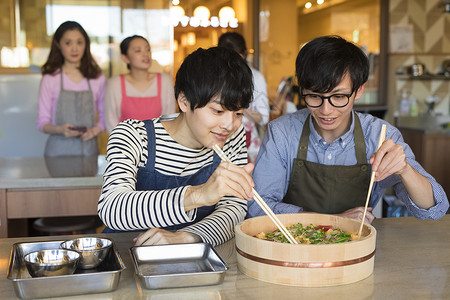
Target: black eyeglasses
(336, 100)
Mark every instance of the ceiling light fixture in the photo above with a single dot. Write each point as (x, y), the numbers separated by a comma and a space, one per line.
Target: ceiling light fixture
(176, 14)
(226, 13)
(202, 12)
(201, 17)
(194, 21)
(215, 21)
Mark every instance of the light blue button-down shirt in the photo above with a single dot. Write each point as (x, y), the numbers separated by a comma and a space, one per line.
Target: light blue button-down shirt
(280, 145)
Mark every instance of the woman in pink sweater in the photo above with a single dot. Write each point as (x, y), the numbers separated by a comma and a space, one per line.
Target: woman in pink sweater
(71, 95)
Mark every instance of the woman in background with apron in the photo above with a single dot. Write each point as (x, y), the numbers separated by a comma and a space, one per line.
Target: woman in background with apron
(71, 95)
(140, 94)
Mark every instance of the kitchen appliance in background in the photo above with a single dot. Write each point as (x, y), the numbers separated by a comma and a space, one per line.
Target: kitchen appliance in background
(432, 102)
(446, 5)
(417, 70)
(444, 68)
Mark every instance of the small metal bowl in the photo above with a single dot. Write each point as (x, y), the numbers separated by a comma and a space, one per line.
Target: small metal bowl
(93, 250)
(52, 262)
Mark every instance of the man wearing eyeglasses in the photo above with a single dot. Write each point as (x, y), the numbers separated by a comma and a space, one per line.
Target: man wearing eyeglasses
(320, 158)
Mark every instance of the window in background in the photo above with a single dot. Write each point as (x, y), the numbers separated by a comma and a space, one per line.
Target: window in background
(26, 31)
(354, 20)
(25, 40)
(155, 25)
(287, 25)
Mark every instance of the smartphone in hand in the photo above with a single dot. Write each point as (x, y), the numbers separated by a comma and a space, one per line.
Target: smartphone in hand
(79, 128)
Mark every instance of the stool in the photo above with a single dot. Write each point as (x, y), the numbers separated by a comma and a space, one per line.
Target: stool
(67, 225)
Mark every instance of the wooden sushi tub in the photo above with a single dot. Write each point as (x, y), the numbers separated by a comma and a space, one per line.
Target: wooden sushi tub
(305, 265)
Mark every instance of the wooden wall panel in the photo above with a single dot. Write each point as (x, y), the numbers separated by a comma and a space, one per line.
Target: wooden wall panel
(52, 203)
(431, 152)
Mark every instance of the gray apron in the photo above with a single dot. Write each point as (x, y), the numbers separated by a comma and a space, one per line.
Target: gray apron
(329, 189)
(72, 166)
(77, 108)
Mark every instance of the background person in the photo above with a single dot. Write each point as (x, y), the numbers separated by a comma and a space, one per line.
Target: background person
(71, 94)
(139, 94)
(258, 112)
(162, 175)
(320, 159)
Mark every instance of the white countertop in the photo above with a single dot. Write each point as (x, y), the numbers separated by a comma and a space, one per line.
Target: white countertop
(412, 261)
(40, 172)
(427, 124)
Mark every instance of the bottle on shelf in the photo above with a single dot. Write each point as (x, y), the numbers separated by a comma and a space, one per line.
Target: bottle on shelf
(413, 108)
(404, 104)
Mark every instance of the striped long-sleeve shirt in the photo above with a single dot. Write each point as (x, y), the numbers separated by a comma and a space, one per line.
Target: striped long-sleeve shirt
(121, 207)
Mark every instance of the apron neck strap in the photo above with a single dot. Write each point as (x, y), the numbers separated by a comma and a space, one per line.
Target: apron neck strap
(62, 86)
(158, 77)
(360, 145)
(304, 140)
(89, 83)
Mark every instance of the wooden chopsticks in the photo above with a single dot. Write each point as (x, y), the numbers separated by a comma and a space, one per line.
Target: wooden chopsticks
(261, 202)
(372, 178)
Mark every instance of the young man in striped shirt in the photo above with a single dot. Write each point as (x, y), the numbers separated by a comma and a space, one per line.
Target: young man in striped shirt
(163, 178)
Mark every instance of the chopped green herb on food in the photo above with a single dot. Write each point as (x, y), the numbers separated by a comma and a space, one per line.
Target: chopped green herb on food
(311, 234)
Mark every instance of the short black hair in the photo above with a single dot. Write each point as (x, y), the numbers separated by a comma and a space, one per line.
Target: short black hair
(322, 63)
(217, 71)
(234, 41)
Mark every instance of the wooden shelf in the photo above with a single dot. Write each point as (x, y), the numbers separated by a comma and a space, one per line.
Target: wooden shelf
(420, 53)
(423, 77)
(9, 71)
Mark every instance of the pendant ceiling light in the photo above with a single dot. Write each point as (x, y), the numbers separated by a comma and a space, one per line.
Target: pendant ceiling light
(202, 17)
(227, 13)
(202, 12)
(176, 14)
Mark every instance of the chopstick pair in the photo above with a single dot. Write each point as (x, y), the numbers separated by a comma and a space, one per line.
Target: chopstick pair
(372, 178)
(261, 203)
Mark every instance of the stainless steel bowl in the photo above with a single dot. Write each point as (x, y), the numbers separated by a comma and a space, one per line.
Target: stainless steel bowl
(52, 262)
(93, 250)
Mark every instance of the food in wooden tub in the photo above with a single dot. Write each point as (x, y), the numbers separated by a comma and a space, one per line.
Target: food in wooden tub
(305, 264)
(311, 234)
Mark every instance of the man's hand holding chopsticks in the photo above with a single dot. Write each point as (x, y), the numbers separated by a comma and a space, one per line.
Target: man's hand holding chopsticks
(227, 180)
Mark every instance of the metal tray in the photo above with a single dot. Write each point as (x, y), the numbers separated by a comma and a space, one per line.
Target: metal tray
(178, 265)
(104, 278)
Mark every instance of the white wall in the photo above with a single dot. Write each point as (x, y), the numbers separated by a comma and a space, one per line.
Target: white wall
(19, 136)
